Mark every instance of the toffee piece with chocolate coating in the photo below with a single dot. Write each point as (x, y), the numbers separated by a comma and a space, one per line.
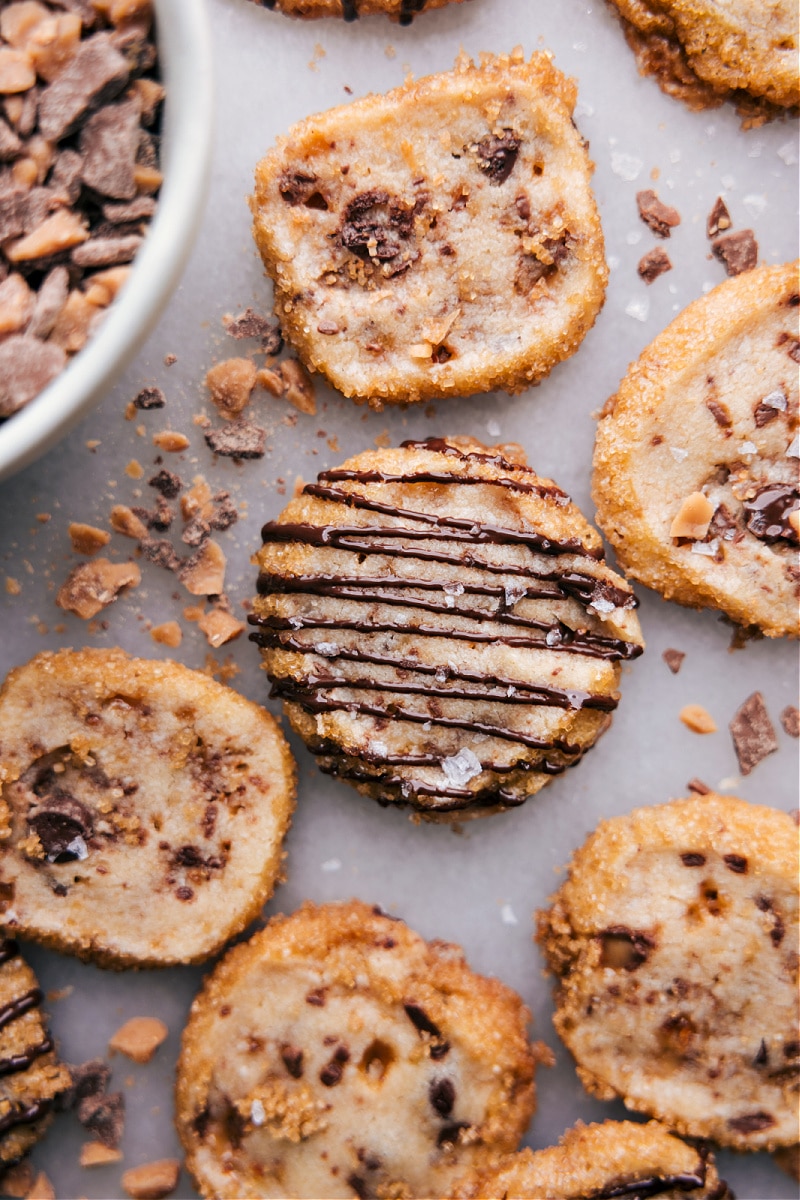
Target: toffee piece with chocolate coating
(371, 217)
(708, 415)
(338, 1054)
(612, 1159)
(143, 808)
(669, 1021)
(402, 11)
(441, 626)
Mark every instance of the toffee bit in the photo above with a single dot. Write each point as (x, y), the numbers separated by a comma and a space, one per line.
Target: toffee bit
(753, 733)
(737, 252)
(698, 719)
(719, 219)
(92, 586)
(673, 659)
(653, 264)
(659, 217)
(790, 720)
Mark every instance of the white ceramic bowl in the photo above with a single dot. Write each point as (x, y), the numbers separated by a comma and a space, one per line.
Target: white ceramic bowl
(184, 44)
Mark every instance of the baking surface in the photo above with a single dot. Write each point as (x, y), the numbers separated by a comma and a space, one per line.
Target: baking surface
(478, 886)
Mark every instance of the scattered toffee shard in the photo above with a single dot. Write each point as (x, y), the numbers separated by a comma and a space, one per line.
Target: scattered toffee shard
(753, 733)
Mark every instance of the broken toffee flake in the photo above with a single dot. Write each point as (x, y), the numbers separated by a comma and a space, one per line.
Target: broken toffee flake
(753, 733)
(673, 659)
(238, 439)
(790, 720)
(719, 219)
(91, 586)
(659, 217)
(656, 262)
(737, 252)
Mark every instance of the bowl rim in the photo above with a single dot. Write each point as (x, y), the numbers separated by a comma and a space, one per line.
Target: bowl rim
(184, 39)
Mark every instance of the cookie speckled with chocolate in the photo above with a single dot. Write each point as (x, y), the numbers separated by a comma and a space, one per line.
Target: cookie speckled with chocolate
(402, 11)
(440, 240)
(142, 811)
(695, 465)
(674, 942)
(441, 626)
(337, 1054)
(615, 1159)
(30, 1074)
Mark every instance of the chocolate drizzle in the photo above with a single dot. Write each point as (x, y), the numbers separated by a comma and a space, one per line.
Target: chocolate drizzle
(767, 513)
(16, 1008)
(25, 1115)
(485, 604)
(14, 1064)
(654, 1186)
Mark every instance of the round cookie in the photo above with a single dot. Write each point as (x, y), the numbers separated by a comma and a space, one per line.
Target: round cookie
(674, 940)
(440, 240)
(441, 626)
(30, 1074)
(337, 1054)
(403, 11)
(143, 808)
(705, 51)
(696, 459)
(614, 1159)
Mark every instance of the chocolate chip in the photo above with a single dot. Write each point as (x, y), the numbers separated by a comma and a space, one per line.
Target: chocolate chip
(623, 948)
(768, 512)
(738, 252)
(673, 659)
(293, 1060)
(449, 1134)
(376, 224)
(150, 397)
(63, 826)
(420, 1019)
(769, 408)
(751, 1122)
(238, 439)
(296, 187)
(691, 859)
(656, 262)
(736, 863)
(95, 73)
(50, 299)
(698, 787)
(331, 1073)
(442, 1095)
(316, 998)
(659, 217)
(720, 413)
(790, 720)
(104, 1116)
(184, 893)
(167, 483)
(359, 1186)
(719, 219)
(498, 155)
(753, 733)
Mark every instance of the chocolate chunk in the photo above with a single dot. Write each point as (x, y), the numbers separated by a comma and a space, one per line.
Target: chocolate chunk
(150, 397)
(299, 187)
(736, 863)
(693, 860)
(13, 205)
(623, 948)
(65, 177)
(449, 1134)
(738, 252)
(106, 251)
(770, 407)
(50, 299)
(376, 225)
(720, 413)
(751, 1122)
(420, 1019)
(769, 510)
(659, 217)
(719, 219)
(724, 525)
(141, 208)
(167, 483)
(778, 931)
(26, 367)
(498, 155)
(238, 439)
(790, 720)
(528, 273)
(104, 1116)
(698, 787)
(109, 143)
(656, 262)
(225, 512)
(95, 73)
(673, 659)
(442, 1095)
(293, 1060)
(753, 733)
(184, 893)
(331, 1073)
(359, 1186)
(10, 144)
(63, 826)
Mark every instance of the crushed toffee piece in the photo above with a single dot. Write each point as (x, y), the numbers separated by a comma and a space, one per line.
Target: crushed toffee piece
(719, 219)
(737, 252)
(753, 733)
(673, 659)
(653, 264)
(659, 217)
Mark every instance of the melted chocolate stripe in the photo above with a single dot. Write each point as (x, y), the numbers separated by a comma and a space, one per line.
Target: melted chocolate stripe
(25, 1116)
(439, 445)
(544, 766)
(20, 1062)
(462, 797)
(340, 585)
(18, 1007)
(590, 644)
(439, 477)
(307, 699)
(654, 1185)
(555, 697)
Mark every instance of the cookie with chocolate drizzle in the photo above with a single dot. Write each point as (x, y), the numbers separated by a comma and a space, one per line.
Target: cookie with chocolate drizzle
(142, 808)
(441, 626)
(30, 1074)
(696, 460)
(674, 943)
(402, 11)
(440, 240)
(338, 1054)
(615, 1159)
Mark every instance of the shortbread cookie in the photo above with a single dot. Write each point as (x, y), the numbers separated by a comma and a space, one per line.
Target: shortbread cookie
(143, 808)
(337, 1054)
(30, 1074)
(705, 51)
(403, 11)
(439, 240)
(615, 1159)
(441, 626)
(696, 461)
(674, 940)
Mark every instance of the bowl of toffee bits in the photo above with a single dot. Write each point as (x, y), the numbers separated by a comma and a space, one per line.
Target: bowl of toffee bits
(105, 138)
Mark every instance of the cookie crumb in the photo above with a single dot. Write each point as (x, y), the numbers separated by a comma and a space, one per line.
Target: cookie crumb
(239, 439)
(150, 397)
(790, 720)
(653, 264)
(170, 441)
(700, 788)
(737, 252)
(152, 1181)
(139, 1038)
(698, 719)
(673, 659)
(87, 539)
(659, 217)
(167, 634)
(92, 586)
(692, 518)
(719, 219)
(753, 733)
(95, 1154)
(220, 627)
